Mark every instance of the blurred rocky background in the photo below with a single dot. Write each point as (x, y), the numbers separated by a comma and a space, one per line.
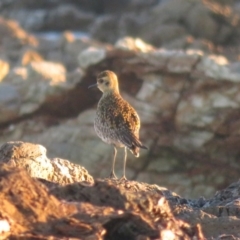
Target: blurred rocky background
(178, 65)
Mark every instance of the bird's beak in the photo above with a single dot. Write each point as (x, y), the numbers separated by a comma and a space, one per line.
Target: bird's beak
(94, 85)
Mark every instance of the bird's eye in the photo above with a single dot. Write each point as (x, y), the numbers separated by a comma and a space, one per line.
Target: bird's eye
(100, 81)
(107, 83)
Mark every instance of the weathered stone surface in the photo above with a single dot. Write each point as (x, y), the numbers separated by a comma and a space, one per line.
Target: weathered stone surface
(48, 71)
(72, 46)
(99, 209)
(132, 44)
(9, 102)
(220, 68)
(218, 216)
(45, 80)
(33, 158)
(225, 202)
(4, 69)
(13, 39)
(30, 56)
(26, 90)
(91, 56)
(69, 17)
(27, 206)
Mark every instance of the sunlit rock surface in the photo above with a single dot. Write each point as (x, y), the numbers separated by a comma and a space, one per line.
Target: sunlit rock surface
(33, 158)
(102, 208)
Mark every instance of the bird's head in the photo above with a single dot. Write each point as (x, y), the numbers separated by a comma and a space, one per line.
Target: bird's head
(107, 81)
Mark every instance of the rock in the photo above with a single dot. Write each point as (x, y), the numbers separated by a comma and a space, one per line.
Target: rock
(105, 29)
(218, 67)
(53, 72)
(225, 202)
(14, 38)
(9, 102)
(164, 34)
(33, 158)
(73, 46)
(199, 18)
(34, 86)
(27, 206)
(31, 56)
(182, 62)
(131, 44)
(32, 20)
(218, 215)
(44, 79)
(99, 210)
(69, 17)
(91, 56)
(4, 66)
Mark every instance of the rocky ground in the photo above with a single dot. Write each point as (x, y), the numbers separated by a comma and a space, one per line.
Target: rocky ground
(67, 203)
(178, 65)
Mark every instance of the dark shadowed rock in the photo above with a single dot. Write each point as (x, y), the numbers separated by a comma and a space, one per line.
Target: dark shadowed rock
(30, 211)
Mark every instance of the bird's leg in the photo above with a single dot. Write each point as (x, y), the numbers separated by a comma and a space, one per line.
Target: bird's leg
(112, 174)
(124, 164)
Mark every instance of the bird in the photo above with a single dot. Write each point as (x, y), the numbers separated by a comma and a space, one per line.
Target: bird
(116, 122)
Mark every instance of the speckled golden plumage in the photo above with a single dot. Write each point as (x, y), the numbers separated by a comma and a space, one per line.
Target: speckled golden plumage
(116, 121)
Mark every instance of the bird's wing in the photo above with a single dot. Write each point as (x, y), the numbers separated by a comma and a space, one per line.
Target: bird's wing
(120, 118)
(127, 125)
(129, 139)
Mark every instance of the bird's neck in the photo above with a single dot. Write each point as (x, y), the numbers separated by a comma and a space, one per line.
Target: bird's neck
(111, 92)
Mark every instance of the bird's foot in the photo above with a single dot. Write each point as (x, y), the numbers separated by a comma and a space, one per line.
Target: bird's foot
(123, 178)
(112, 176)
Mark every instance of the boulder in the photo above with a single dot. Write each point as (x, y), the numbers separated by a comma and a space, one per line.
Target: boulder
(33, 158)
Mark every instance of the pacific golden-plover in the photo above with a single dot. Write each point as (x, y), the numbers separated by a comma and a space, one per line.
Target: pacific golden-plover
(116, 122)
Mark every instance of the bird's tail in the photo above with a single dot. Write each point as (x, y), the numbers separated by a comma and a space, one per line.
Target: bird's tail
(135, 149)
(132, 142)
